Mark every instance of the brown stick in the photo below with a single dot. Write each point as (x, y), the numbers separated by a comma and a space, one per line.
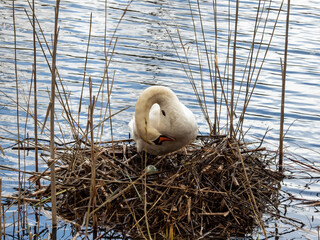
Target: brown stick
(84, 71)
(216, 121)
(22, 199)
(52, 148)
(93, 159)
(233, 69)
(284, 73)
(35, 117)
(251, 195)
(17, 102)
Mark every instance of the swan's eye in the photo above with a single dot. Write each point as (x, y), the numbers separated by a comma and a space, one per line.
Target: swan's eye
(163, 113)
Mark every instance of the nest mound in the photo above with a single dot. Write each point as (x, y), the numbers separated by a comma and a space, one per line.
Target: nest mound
(216, 189)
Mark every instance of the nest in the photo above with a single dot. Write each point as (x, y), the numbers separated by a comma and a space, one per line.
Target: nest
(218, 188)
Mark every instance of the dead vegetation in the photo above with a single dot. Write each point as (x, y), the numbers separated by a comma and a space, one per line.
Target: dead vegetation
(218, 188)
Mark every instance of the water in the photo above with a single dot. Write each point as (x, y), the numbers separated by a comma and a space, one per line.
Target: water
(145, 55)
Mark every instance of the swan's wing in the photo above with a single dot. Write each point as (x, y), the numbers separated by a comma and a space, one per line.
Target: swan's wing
(135, 135)
(132, 124)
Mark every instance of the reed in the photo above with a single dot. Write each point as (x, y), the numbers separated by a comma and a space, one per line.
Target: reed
(93, 190)
(52, 119)
(215, 66)
(233, 69)
(145, 198)
(228, 98)
(17, 109)
(84, 71)
(35, 103)
(283, 89)
(249, 92)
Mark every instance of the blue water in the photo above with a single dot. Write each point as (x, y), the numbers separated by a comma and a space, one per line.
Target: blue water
(148, 52)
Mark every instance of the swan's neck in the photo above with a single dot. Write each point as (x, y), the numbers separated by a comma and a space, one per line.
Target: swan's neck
(159, 95)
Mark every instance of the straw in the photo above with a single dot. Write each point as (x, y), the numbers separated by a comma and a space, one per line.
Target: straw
(207, 188)
(283, 90)
(52, 101)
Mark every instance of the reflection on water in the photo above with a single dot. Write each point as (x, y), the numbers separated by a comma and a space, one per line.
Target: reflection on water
(145, 55)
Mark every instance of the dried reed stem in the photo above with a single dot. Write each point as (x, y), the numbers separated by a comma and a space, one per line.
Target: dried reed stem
(108, 56)
(93, 189)
(109, 89)
(3, 227)
(84, 71)
(208, 62)
(35, 117)
(52, 100)
(189, 73)
(205, 108)
(249, 62)
(145, 196)
(216, 121)
(233, 69)
(283, 90)
(17, 112)
(65, 104)
(248, 98)
(145, 200)
(251, 195)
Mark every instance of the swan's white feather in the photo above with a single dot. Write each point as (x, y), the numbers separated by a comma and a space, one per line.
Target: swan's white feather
(177, 122)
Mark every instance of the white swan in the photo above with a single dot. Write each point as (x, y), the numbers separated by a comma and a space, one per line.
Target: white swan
(161, 122)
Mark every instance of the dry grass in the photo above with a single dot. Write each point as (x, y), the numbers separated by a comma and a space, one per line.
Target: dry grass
(218, 188)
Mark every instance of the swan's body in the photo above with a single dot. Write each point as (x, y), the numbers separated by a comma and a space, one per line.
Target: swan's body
(162, 124)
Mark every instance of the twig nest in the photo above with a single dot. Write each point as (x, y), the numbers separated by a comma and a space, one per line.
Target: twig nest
(216, 189)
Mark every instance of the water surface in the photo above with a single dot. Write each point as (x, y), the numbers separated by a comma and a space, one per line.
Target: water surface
(148, 52)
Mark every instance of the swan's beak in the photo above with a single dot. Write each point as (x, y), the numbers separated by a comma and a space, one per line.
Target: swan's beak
(162, 138)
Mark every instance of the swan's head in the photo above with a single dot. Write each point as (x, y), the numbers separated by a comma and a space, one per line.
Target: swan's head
(147, 131)
(152, 136)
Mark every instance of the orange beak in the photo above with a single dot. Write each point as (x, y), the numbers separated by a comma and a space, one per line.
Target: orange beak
(162, 138)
